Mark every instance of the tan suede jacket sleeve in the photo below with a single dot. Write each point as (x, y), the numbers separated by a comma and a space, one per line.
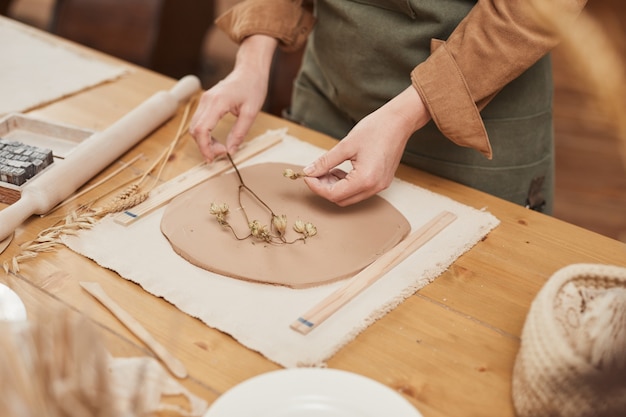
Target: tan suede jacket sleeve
(285, 20)
(452, 82)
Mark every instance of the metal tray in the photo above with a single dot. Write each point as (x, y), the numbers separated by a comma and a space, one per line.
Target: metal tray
(60, 138)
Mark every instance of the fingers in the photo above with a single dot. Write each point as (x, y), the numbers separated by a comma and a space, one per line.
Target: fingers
(342, 188)
(228, 96)
(337, 186)
(240, 129)
(340, 193)
(340, 153)
(202, 125)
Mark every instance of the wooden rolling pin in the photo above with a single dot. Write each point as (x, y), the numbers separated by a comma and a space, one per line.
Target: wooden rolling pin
(94, 154)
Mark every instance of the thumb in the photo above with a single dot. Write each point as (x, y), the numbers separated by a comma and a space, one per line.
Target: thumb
(327, 162)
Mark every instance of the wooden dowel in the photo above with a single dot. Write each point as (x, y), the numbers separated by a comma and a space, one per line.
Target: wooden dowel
(328, 306)
(5, 243)
(174, 365)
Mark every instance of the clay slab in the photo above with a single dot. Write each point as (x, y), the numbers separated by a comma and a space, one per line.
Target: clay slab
(348, 239)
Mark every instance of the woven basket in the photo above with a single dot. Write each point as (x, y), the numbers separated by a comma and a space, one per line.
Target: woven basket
(572, 357)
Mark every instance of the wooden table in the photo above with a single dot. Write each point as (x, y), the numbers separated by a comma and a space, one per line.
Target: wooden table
(449, 349)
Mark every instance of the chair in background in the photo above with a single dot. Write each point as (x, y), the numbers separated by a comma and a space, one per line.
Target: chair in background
(4, 6)
(163, 35)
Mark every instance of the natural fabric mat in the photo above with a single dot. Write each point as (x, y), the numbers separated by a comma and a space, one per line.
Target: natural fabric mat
(259, 315)
(34, 71)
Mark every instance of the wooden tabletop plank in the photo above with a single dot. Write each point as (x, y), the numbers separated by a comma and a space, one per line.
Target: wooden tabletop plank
(438, 358)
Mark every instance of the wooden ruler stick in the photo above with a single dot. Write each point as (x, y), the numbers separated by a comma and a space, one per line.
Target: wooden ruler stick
(328, 306)
(167, 191)
(174, 365)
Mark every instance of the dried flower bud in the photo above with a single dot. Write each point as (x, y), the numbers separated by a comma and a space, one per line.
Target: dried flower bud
(291, 174)
(280, 223)
(259, 231)
(310, 229)
(219, 211)
(306, 229)
(298, 226)
(219, 208)
(254, 226)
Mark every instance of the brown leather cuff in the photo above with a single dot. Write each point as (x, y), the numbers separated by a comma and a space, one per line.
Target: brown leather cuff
(443, 89)
(284, 20)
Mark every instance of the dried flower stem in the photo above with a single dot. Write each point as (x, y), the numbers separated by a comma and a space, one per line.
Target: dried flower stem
(243, 185)
(257, 230)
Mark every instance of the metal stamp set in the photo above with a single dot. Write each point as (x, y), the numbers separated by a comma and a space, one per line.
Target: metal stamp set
(20, 162)
(29, 148)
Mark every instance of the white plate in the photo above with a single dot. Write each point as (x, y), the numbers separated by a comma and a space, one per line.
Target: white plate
(308, 392)
(11, 306)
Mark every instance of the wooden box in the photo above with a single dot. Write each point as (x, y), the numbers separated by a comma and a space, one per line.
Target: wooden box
(59, 138)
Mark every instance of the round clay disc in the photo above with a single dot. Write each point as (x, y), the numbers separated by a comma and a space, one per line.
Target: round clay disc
(347, 240)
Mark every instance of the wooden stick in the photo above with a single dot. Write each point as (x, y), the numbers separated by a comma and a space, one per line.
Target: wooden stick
(5, 243)
(173, 364)
(167, 191)
(324, 309)
(165, 156)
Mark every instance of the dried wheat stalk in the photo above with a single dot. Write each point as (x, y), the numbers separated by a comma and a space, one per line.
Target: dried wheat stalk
(57, 368)
(595, 55)
(57, 365)
(85, 217)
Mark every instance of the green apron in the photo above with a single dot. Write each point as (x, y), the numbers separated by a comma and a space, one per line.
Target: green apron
(360, 55)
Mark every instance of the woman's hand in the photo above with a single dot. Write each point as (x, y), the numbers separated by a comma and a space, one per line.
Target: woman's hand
(374, 147)
(242, 93)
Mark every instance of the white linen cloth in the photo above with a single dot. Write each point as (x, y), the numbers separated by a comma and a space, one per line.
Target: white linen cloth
(35, 71)
(259, 315)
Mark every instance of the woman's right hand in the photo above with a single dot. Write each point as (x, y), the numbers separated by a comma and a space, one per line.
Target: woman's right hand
(242, 93)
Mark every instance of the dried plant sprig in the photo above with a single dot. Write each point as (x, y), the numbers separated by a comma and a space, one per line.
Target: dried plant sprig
(596, 56)
(292, 175)
(85, 217)
(129, 191)
(220, 211)
(82, 218)
(258, 230)
(122, 204)
(310, 229)
(58, 366)
(306, 229)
